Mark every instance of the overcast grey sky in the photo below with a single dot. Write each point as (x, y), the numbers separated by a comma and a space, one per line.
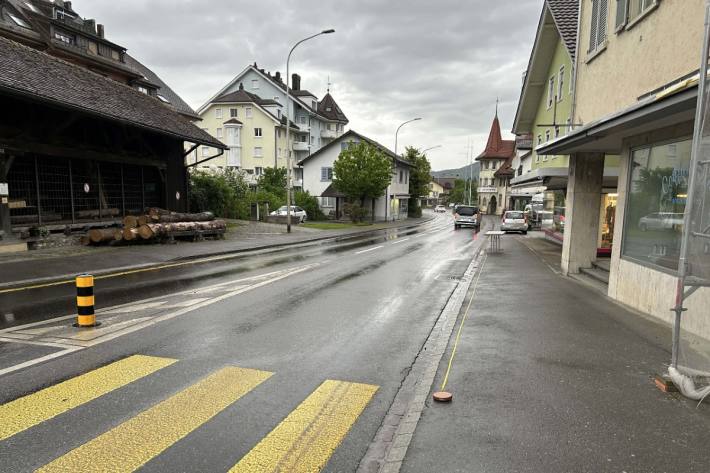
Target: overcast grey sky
(444, 60)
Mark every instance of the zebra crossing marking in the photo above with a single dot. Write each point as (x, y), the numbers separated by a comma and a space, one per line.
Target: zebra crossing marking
(305, 440)
(33, 409)
(133, 443)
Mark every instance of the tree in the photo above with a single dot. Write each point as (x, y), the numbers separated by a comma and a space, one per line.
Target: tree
(273, 181)
(419, 178)
(458, 194)
(362, 171)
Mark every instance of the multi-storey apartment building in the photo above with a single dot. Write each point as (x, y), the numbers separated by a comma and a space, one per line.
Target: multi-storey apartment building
(636, 95)
(545, 114)
(253, 128)
(316, 122)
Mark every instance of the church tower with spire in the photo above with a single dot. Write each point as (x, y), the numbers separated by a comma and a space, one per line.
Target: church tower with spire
(496, 170)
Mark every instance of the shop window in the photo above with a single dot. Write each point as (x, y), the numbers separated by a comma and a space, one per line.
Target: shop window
(657, 192)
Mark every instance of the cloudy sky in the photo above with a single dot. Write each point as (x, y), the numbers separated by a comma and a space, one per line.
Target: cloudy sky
(445, 61)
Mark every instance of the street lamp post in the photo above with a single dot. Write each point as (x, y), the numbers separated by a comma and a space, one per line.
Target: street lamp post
(433, 147)
(288, 127)
(387, 197)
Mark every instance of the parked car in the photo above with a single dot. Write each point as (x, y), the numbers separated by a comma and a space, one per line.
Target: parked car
(297, 213)
(452, 205)
(467, 216)
(514, 221)
(439, 208)
(661, 221)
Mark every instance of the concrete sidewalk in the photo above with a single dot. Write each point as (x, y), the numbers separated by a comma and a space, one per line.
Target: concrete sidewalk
(45, 265)
(551, 376)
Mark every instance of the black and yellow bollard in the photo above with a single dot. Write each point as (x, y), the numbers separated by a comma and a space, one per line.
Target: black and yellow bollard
(85, 301)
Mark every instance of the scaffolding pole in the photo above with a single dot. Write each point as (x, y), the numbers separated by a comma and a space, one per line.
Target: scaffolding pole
(682, 282)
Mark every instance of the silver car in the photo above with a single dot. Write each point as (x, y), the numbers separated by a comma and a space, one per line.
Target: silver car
(466, 216)
(514, 221)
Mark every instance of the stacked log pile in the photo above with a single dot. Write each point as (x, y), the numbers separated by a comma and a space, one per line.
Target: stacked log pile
(159, 224)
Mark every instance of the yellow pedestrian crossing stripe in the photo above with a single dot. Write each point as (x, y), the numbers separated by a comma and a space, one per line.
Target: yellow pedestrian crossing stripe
(305, 440)
(30, 410)
(133, 443)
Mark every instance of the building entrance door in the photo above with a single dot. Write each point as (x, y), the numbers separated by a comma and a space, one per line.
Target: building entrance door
(492, 205)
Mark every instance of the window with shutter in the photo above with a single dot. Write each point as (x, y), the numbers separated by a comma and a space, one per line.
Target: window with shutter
(593, 29)
(597, 34)
(622, 13)
(603, 12)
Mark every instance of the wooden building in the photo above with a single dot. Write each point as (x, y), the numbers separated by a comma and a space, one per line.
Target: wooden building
(84, 139)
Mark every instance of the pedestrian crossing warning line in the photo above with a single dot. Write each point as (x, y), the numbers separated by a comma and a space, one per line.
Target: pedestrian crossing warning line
(33, 409)
(136, 441)
(305, 440)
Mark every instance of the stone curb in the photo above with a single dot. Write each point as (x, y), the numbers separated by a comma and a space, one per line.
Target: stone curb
(389, 446)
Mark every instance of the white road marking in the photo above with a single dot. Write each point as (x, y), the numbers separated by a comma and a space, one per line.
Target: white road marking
(74, 344)
(369, 249)
(400, 241)
(35, 361)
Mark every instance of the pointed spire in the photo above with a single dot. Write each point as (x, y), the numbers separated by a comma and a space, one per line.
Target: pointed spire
(328, 89)
(496, 107)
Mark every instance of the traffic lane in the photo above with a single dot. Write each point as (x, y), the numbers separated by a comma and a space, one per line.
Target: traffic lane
(58, 333)
(42, 303)
(351, 330)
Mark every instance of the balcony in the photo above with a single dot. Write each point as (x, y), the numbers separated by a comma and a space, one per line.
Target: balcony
(300, 146)
(325, 133)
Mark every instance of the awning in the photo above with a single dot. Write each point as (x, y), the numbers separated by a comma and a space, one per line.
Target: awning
(555, 178)
(330, 191)
(675, 104)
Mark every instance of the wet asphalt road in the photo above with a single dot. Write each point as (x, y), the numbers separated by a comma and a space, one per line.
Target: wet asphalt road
(360, 314)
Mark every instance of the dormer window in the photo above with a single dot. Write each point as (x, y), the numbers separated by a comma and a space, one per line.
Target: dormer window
(163, 99)
(19, 21)
(142, 90)
(314, 105)
(32, 7)
(64, 37)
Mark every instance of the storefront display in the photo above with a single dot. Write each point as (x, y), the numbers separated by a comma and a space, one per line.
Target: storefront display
(658, 187)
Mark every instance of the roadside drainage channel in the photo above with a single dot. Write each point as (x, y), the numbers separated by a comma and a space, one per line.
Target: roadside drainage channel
(267, 249)
(389, 446)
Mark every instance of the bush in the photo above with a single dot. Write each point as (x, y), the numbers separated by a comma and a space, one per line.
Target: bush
(414, 211)
(212, 192)
(356, 213)
(308, 203)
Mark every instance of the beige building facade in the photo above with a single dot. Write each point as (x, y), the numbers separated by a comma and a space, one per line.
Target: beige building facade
(636, 94)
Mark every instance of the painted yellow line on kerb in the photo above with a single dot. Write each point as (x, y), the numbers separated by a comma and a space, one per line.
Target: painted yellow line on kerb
(30, 410)
(305, 440)
(463, 319)
(132, 444)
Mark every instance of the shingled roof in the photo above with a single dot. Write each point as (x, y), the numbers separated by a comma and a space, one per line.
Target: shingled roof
(564, 13)
(38, 76)
(328, 109)
(497, 147)
(174, 100)
(242, 96)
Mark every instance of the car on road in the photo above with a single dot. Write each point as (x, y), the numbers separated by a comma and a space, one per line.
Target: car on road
(297, 213)
(467, 216)
(439, 208)
(514, 221)
(661, 221)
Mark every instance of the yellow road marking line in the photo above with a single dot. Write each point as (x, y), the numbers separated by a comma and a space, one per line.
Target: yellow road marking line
(305, 440)
(132, 444)
(30, 410)
(458, 333)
